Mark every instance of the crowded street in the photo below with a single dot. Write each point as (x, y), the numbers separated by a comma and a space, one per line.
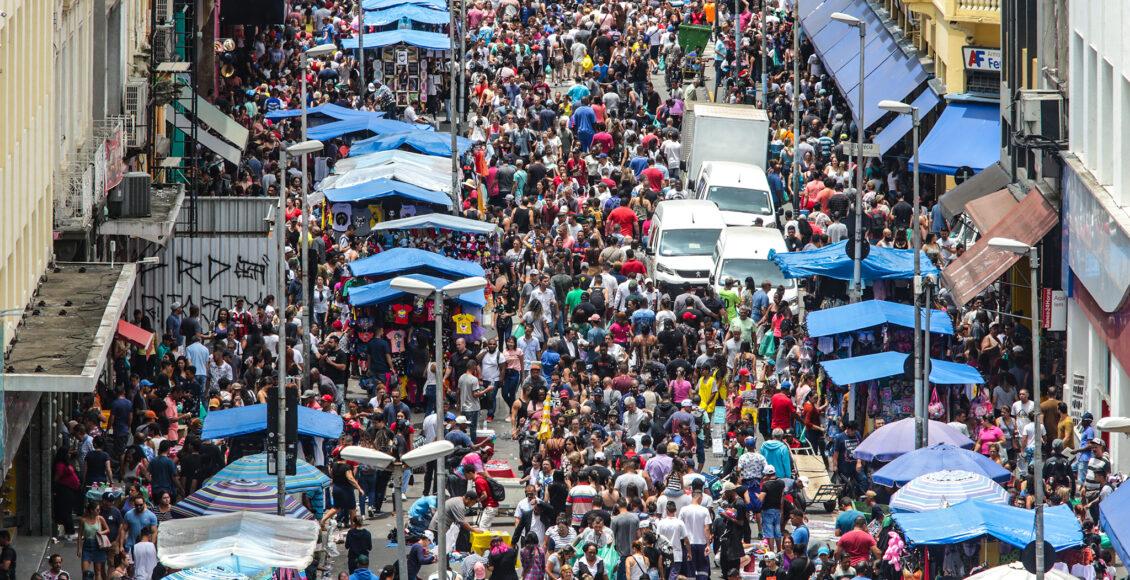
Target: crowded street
(574, 289)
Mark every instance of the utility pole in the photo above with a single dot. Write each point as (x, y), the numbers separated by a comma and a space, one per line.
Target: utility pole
(765, 53)
(360, 51)
(280, 363)
(796, 114)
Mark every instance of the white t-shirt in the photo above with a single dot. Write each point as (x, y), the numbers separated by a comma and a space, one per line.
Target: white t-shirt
(695, 517)
(675, 531)
(144, 560)
(1020, 410)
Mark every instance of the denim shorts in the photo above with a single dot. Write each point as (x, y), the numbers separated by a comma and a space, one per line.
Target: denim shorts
(771, 524)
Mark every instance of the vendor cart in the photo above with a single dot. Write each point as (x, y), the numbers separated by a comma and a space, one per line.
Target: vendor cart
(820, 490)
(693, 38)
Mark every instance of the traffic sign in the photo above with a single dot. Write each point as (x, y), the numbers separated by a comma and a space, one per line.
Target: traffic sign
(291, 430)
(962, 173)
(869, 149)
(1028, 556)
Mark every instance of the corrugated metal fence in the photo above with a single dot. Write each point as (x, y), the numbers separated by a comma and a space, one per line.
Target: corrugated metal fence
(229, 215)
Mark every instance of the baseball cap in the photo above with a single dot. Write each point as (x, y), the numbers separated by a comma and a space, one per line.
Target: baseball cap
(480, 571)
(728, 486)
(461, 420)
(743, 372)
(1088, 416)
(449, 416)
(770, 470)
(146, 383)
(599, 456)
(770, 555)
(686, 403)
(823, 551)
(328, 398)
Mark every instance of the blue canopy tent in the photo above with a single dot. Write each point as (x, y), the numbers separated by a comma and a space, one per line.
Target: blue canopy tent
(832, 261)
(404, 261)
(322, 114)
(253, 419)
(426, 142)
(374, 125)
(439, 221)
(385, 188)
(417, 38)
(382, 292)
(374, 5)
(938, 457)
(1112, 518)
(973, 519)
(871, 313)
(869, 367)
(424, 14)
(975, 129)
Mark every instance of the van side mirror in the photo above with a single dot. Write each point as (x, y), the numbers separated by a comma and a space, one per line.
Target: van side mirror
(712, 278)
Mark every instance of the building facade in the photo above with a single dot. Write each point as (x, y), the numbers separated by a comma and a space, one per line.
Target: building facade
(962, 38)
(1096, 214)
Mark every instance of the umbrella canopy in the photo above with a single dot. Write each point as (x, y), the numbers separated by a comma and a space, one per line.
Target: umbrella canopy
(254, 468)
(1114, 424)
(896, 439)
(1016, 571)
(973, 519)
(938, 457)
(207, 573)
(237, 495)
(1112, 518)
(942, 489)
(240, 541)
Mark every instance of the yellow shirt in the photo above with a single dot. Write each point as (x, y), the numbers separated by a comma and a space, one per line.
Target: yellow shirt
(708, 9)
(1065, 431)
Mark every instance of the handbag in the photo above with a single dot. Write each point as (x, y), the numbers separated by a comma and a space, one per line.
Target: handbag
(103, 541)
(936, 409)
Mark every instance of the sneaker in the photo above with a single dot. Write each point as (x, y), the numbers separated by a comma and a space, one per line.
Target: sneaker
(72, 537)
(403, 497)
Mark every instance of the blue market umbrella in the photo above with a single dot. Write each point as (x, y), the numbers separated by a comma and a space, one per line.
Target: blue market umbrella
(938, 457)
(942, 489)
(254, 468)
(207, 573)
(1112, 518)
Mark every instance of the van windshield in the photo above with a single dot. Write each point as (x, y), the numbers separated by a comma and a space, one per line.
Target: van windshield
(760, 270)
(741, 199)
(688, 242)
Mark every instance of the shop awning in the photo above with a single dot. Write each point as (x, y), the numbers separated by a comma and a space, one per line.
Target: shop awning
(981, 265)
(889, 73)
(403, 261)
(832, 261)
(253, 419)
(439, 221)
(384, 189)
(426, 142)
(965, 135)
(993, 178)
(136, 335)
(407, 172)
(417, 38)
(423, 14)
(901, 125)
(870, 367)
(382, 292)
(870, 313)
(371, 5)
(972, 519)
(988, 211)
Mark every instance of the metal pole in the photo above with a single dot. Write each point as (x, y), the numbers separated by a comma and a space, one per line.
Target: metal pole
(737, 40)
(397, 502)
(1038, 452)
(796, 115)
(926, 351)
(920, 418)
(441, 471)
(304, 222)
(857, 275)
(452, 113)
(361, 50)
(462, 66)
(764, 53)
(280, 454)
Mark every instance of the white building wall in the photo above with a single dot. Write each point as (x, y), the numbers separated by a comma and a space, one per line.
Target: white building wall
(27, 152)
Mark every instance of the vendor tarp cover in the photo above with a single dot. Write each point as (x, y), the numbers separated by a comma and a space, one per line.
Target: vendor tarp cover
(869, 367)
(398, 261)
(832, 261)
(253, 419)
(239, 541)
(870, 313)
(426, 142)
(439, 221)
(382, 292)
(384, 189)
(973, 519)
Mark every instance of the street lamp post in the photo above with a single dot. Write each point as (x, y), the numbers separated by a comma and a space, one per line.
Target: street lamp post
(796, 115)
(764, 53)
(438, 295)
(920, 425)
(434, 451)
(857, 275)
(1020, 248)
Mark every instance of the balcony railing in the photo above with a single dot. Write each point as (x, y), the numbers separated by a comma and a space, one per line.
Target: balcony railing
(976, 10)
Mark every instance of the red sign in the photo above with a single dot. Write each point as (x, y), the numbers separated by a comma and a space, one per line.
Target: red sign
(115, 166)
(1045, 307)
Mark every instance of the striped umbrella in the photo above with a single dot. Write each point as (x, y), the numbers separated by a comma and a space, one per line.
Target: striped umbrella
(207, 573)
(237, 495)
(254, 468)
(942, 489)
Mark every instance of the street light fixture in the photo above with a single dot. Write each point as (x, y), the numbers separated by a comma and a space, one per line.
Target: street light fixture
(857, 263)
(1021, 249)
(321, 50)
(434, 451)
(305, 147)
(420, 288)
(920, 427)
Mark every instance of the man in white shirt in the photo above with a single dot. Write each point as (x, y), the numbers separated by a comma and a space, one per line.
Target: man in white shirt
(674, 532)
(144, 555)
(697, 520)
(1023, 409)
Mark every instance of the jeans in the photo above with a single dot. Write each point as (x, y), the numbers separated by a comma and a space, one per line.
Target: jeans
(430, 478)
(429, 398)
(699, 562)
(473, 417)
(490, 400)
(771, 524)
(381, 488)
(367, 479)
(201, 387)
(510, 388)
(405, 478)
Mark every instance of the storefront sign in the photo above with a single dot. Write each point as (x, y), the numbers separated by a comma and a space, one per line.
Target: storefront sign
(1077, 401)
(986, 59)
(1098, 242)
(1053, 310)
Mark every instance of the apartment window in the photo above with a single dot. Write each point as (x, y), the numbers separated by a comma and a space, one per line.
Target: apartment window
(1077, 128)
(1091, 86)
(1106, 124)
(1123, 190)
(982, 82)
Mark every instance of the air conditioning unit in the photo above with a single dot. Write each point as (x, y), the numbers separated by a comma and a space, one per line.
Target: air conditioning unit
(1039, 113)
(163, 46)
(137, 109)
(163, 11)
(137, 190)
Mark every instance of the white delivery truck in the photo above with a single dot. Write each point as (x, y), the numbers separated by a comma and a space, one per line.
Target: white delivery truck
(721, 132)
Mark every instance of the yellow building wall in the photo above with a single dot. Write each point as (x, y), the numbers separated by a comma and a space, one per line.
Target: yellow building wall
(947, 27)
(27, 148)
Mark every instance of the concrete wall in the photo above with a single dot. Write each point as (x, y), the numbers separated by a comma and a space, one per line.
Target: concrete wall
(27, 147)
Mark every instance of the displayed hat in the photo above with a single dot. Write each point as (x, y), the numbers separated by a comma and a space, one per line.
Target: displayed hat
(461, 420)
(449, 416)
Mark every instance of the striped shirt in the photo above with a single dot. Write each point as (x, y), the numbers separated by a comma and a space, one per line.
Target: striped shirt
(579, 501)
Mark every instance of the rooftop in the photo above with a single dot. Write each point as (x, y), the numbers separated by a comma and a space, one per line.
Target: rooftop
(66, 331)
(164, 204)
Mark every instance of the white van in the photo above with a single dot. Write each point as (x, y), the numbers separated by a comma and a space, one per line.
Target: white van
(743, 252)
(681, 242)
(740, 190)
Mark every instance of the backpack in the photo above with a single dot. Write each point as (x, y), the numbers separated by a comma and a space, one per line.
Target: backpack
(497, 492)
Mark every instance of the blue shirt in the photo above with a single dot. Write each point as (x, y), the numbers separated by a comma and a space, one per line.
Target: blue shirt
(1085, 439)
(549, 360)
(584, 119)
(136, 522)
(638, 164)
(459, 439)
(760, 302)
(198, 354)
(578, 92)
(800, 536)
(422, 507)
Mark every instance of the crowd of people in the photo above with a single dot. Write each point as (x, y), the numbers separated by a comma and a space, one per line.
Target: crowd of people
(655, 425)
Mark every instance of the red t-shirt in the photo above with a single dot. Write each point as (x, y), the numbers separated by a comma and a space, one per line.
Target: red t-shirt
(632, 267)
(857, 545)
(483, 489)
(623, 217)
(782, 411)
(654, 177)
